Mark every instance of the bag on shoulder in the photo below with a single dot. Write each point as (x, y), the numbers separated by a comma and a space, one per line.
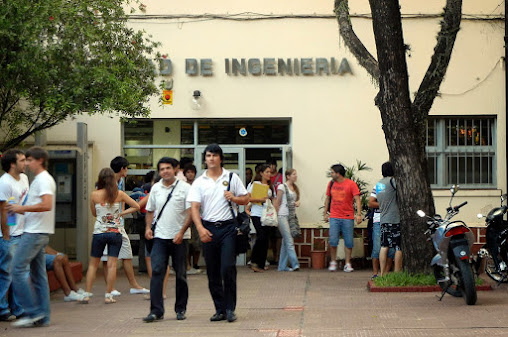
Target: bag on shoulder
(269, 215)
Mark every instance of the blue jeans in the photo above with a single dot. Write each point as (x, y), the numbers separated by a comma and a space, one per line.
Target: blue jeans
(376, 242)
(33, 297)
(287, 249)
(10, 306)
(161, 251)
(346, 226)
(220, 261)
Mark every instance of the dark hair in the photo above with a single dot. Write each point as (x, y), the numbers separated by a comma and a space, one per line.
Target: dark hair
(149, 176)
(271, 161)
(37, 153)
(215, 149)
(107, 181)
(167, 160)
(185, 161)
(189, 167)
(387, 169)
(10, 157)
(248, 169)
(338, 168)
(118, 163)
(297, 190)
(263, 168)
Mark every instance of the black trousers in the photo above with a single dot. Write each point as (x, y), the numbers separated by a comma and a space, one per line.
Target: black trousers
(260, 249)
(220, 260)
(161, 251)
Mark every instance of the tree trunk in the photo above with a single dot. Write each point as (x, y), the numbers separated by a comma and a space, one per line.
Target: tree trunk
(403, 133)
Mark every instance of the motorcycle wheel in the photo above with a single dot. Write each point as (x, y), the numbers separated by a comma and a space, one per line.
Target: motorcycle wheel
(490, 269)
(450, 289)
(468, 284)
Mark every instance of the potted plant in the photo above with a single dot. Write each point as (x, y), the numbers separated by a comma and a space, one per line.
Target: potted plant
(318, 253)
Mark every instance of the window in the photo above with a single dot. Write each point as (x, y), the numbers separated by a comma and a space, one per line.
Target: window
(461, 150)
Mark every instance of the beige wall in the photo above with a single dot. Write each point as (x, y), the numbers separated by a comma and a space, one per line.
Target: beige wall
(333, 117)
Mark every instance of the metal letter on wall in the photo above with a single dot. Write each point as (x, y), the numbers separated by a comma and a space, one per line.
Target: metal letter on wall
(344, 67)
(206, 67)
(254, 66)
(165, 67)
(82, 195)
(191, 67)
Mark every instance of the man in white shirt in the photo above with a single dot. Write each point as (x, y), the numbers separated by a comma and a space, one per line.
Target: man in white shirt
(39, 211)
(210, 200)
(13, 189)
(168, 199)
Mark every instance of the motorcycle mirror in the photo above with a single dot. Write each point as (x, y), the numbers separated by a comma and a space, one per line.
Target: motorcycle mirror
(420, 213)
(479, 215)
(454, 189)
(504, 197)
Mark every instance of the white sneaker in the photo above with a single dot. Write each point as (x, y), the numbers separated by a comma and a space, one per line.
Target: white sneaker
(139, 291)
(193, 271)
(74, 296)
(26, 322)
(348, 268)
(333, 266)
(115, 292)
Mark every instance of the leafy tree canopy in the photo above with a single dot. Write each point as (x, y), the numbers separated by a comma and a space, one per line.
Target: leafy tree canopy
(62, 58)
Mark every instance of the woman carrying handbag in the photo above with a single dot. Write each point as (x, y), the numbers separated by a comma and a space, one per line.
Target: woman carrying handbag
(287, 199)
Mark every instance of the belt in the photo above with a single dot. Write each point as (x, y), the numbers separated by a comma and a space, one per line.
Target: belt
(219, 223)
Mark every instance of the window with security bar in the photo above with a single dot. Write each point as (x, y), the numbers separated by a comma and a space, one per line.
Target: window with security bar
(461, 150)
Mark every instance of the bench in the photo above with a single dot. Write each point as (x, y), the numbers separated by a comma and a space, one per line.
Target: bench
(77, 273)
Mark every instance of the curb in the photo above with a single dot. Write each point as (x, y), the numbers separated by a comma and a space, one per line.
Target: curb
(416, 289)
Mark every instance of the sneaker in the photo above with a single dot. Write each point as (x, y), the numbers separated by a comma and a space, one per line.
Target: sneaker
(87, 294)
(333, 266)
(115, 292)
(7, 317)
(74, 296)
(26, 322)
(139, 291)
(193, 271)
(373, 277)
(348, 268)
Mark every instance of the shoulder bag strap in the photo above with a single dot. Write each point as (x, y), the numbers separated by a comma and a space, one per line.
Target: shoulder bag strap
(164, 206)
(330, 192)
(229, 202)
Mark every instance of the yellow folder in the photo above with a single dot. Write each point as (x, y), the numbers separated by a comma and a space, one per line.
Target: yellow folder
(259, 191)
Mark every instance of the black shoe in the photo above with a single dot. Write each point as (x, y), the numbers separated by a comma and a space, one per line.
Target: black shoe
(218, 316)
(152, 317)
(180, 315)
(7, 318)
(230, 315)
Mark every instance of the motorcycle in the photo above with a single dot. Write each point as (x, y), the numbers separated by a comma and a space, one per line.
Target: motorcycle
(452, 265)
(494, 254)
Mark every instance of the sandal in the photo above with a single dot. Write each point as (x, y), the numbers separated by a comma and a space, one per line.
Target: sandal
(109, 299)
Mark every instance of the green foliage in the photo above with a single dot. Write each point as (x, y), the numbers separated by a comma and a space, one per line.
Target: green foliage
(61, 58)
(404, 279)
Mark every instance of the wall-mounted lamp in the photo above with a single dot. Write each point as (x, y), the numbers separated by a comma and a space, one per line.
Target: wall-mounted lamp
(196, 100)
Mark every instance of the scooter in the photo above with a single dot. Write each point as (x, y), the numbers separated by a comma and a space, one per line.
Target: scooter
(452, 265)
(494, 254)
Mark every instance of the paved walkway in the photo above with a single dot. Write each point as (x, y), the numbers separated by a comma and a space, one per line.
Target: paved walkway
(304, 303)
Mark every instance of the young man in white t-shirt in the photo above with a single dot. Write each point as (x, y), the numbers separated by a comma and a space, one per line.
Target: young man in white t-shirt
(169, 237)
(209, 197)
(13, 189)
(39, 210)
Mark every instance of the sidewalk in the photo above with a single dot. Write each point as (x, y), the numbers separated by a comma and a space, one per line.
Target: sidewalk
(303, 303)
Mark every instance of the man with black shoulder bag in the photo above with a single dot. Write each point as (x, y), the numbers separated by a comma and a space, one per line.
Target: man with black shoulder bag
(168, 235)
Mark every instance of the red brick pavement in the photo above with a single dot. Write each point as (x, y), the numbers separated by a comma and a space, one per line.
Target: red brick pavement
(304, 303)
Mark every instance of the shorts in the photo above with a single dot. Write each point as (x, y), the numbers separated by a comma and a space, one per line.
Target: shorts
(390, 235)
(49, 261)
(125, 249)
(346, 226)
(376, 242)
(112, 240)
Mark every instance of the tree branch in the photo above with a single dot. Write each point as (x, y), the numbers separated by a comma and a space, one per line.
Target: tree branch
(440, 59)
(353, 43)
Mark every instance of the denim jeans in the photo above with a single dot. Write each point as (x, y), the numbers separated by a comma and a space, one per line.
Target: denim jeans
(287, 249)
(346, 226)
(33, 297)
(220, 261)
(376, 242)
(10, 305)
(161, 251)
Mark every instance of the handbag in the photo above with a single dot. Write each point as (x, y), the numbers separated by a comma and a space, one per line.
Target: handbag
(149, 243)
(269, 215)
(242, 226)
(294, 225)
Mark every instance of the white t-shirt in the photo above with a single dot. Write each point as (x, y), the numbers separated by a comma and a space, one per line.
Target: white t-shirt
(210, 193)
(41, 222)
(17, 190)
(377, 212)
(283, 208)
(174, 214)
(255, 209)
